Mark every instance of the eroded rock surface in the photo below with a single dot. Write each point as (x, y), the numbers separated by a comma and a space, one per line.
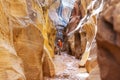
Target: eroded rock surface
(108, 41)
(27, 36)
(82, 27)
(94, 74)
(92, 59)
(11, 66)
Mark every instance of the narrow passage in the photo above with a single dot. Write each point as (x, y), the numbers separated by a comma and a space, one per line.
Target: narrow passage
(67, 68)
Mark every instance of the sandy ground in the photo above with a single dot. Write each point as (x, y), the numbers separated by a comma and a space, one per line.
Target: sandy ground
(66, 67)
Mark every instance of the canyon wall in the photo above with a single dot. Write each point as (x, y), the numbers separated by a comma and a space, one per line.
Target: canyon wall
(59, 13)
(27, 37)
(82, 27)
(108, 40)
(107, 36)
(81, 41)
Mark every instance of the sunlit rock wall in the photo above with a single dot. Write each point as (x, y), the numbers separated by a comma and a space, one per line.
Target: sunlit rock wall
(82, 27)
(92, 59)
(108, 40)
(11, 66)
(27, 37)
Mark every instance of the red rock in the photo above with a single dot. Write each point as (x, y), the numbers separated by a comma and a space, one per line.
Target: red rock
(108, 41)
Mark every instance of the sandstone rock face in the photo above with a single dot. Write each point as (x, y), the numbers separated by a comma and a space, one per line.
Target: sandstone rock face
(59, 13)
(11, 66)
(48, 66)
(73, 22)
(27, 36)
(92, 59)
(80, 44)
(82, 28)
(30, 48)
(108, 41)
(94, 74)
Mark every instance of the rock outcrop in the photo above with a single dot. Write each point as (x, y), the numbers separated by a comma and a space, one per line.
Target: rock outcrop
(108, 40)
(27, 37)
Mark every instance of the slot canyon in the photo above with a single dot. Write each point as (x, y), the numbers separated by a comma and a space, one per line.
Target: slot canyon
(59, 39)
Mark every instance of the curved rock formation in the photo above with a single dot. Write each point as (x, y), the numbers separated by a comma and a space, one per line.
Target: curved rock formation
(108, 41)
(82, 32)
(11, 66)
(27, 37)
(28, 30)
(59, 13)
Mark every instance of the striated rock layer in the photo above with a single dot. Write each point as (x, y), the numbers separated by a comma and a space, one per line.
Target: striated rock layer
(82, 27)
(92, 59)
(108, 40)
(11, 66)
(26, 40)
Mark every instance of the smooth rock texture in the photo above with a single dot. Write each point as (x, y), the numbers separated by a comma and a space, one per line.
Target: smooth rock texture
(27, 47)
(27, 35)
(94, 74)
(80, 44)
(84, 16)
(48, 66)
(11, 66)
(92, 59)
(108, 41)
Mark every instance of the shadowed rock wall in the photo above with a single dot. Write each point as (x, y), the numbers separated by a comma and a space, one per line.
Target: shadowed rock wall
(108, 40)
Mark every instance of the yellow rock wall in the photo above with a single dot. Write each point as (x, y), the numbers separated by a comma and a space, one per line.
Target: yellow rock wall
(26, 40)
(11, 66)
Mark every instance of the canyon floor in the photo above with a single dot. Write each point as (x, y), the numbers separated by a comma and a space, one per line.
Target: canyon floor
(67, 68)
